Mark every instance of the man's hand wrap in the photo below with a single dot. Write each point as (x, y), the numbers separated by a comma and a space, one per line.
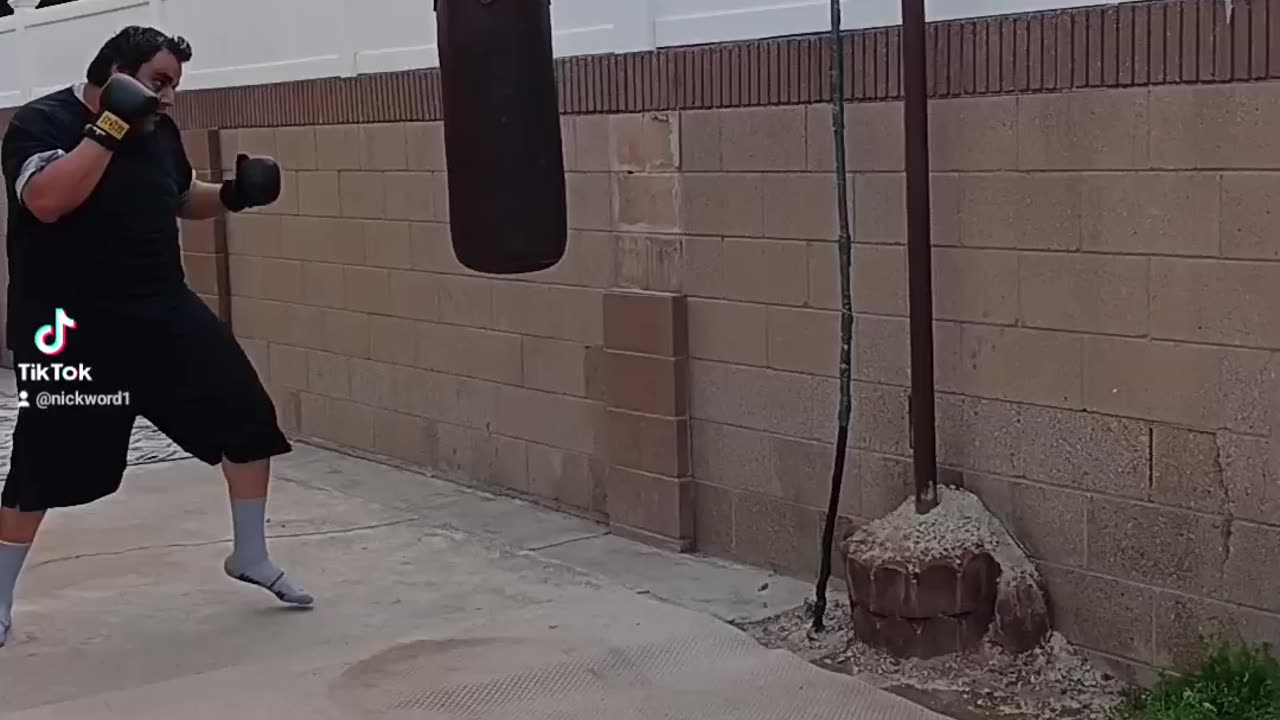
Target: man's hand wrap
(257, 183)
(123, 103)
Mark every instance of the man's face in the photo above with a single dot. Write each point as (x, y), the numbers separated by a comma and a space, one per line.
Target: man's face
(161, 74)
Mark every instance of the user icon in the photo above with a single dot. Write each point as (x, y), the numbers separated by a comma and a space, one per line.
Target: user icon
(23, 402)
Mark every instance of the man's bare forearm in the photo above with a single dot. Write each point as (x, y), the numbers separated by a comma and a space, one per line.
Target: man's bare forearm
(67, 182)
(204, 202)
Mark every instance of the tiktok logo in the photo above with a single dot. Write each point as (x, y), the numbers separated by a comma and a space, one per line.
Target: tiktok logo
(52, 339)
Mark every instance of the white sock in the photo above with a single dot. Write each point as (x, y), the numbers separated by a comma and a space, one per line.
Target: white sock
(12, 557)
(249, 561)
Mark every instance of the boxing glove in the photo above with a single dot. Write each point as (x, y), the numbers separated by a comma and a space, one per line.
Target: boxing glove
(122, 104)
(257, 183)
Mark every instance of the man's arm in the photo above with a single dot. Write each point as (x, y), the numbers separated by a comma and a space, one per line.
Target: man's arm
(203, 201)
(51, 183)
(51, 191)
(256, 183)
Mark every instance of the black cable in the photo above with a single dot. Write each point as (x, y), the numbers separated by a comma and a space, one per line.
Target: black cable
(844, 243)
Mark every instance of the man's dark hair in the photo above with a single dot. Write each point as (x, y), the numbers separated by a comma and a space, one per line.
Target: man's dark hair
(131, 48)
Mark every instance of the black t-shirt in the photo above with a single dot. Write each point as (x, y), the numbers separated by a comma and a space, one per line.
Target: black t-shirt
(121, 246)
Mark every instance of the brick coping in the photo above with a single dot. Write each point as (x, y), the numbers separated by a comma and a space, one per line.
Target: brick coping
(1152, 42)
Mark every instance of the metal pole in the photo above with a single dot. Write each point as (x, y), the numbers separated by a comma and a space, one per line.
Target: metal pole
(919, 265)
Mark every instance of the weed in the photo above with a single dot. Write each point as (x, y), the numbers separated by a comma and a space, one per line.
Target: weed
(1231, 682)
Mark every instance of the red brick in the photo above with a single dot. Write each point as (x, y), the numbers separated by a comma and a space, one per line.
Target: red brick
(652, 504)
(643, 322)
(649, 443)
(645, 383)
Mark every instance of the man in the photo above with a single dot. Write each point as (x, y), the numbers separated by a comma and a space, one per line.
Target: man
(97, 178)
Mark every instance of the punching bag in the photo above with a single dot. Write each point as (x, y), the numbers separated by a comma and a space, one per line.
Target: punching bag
(507, 207)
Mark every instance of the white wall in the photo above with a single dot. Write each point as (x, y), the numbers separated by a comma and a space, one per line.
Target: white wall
(242, 42)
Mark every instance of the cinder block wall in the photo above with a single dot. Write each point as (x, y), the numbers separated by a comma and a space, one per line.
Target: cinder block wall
(1107, 295)
(1106, 215)
(371, 334)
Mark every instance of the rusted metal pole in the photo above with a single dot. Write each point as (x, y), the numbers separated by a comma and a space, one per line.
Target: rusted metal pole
(919, 260)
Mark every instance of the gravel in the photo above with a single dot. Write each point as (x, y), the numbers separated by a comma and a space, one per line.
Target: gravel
(1052, 682)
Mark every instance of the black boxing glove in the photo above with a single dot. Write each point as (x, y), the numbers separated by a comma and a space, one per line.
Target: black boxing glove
(122, 104)
(257, 183)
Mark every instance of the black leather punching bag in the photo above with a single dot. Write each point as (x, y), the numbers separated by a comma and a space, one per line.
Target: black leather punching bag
(507, 207)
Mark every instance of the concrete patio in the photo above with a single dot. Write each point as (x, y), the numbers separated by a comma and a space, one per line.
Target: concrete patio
(436, 601)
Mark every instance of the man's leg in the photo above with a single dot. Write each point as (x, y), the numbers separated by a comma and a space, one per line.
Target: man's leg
(249, 561)
(17, 533)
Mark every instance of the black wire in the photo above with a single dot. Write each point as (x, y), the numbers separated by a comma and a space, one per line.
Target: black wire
(844, 243)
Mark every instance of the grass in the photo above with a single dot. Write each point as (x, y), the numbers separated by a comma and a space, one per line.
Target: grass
(1231, 682)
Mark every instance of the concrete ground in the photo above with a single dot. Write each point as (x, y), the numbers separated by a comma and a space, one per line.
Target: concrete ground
(435, 601)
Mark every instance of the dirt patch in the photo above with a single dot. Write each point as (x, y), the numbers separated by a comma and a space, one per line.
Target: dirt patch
(1052, 682)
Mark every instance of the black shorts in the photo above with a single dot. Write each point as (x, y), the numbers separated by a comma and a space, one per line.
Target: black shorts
(172, 361)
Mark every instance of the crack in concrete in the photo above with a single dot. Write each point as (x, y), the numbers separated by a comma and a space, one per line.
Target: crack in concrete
(1151, 463)
(570, 541)
(206, 543)
(1228, 525)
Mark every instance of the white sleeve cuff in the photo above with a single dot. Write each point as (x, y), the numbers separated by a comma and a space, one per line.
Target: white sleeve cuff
(32, 167)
